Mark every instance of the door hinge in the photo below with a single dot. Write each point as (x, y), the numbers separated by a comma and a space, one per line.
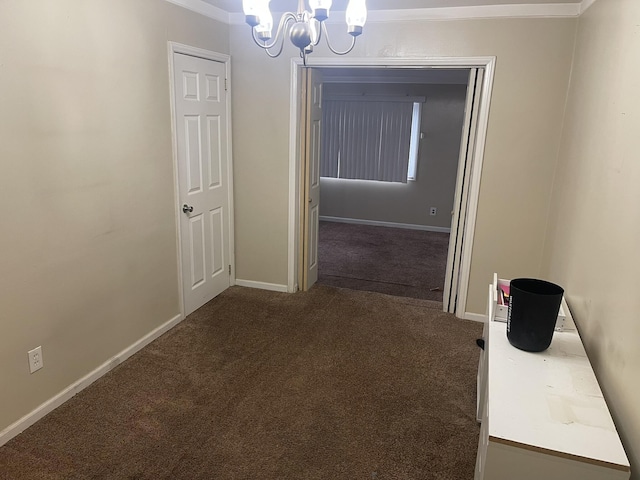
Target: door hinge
(229, 269)
(226, 84)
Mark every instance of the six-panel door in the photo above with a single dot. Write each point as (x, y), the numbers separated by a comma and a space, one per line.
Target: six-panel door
(201, 131)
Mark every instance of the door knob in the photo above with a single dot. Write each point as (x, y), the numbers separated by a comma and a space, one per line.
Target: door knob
(187, 208)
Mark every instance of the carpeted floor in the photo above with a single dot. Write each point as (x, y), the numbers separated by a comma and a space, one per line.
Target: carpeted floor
(325, 384)
(395, 261)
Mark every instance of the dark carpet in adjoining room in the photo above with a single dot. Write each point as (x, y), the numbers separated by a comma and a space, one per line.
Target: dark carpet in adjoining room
(395, 261)
(325, 384)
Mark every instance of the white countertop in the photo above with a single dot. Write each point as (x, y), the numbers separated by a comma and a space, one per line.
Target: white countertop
(549, 400)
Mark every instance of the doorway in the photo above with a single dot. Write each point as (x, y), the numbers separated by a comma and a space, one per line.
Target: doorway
(390, 150)
(202, 160)
(467, 184)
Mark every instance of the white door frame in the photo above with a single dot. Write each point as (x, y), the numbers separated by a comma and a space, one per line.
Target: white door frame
(488, 63)
(174, 47)
(460, 201)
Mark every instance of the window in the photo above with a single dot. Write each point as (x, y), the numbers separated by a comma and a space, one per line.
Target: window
(412, 169)
(371, 138)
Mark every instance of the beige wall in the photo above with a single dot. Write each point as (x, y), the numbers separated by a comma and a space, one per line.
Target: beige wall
(441, 123)
(87, 235)
(592, 245)
(260, 110)
(532, 74)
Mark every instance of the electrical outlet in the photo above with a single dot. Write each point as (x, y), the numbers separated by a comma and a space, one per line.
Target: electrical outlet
(35, 359)
(433, 211)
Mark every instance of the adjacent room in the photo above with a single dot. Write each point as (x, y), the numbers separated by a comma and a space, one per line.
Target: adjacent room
(387, 194)
(154, 240)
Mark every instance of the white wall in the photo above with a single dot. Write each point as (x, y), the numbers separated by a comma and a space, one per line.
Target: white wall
(88, 261)
(441, 123)
(531, 80)
(592, 245)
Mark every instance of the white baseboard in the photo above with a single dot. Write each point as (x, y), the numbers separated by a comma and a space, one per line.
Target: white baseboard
(274, 287)
(408, 226)
(79, 385)
(476, 317)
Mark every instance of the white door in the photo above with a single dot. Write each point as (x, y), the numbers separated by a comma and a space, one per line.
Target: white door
(203, 177)
(311, 197)
(461, 198)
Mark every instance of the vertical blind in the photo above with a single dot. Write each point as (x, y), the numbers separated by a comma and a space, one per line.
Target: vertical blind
(366, 139)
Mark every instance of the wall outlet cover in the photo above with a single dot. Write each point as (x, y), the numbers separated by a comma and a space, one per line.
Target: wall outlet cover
(35, 359)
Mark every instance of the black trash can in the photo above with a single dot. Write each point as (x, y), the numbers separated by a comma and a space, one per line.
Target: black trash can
(533, 310)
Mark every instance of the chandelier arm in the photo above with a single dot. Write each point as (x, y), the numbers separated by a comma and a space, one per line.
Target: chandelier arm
(315, 44)
(266, 47)
(326, 36)
(284, 20)
(274, 55)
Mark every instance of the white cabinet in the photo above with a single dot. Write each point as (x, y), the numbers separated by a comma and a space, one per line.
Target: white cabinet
(543, 414)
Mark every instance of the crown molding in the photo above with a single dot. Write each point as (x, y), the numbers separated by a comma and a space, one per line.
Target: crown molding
(477, 12)
(203, 8)
(586, 4)
(547, 10)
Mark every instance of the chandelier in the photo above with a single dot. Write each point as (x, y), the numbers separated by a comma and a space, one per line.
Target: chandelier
(305, 27)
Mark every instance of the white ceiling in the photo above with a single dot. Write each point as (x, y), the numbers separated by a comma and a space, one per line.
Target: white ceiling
(291, 5)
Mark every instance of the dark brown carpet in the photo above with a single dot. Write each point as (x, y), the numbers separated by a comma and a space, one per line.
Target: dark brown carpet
(395, 261)
(326, 384)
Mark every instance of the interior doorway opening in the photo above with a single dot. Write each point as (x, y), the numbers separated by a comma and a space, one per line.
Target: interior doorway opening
(389, 151)
(462, 221)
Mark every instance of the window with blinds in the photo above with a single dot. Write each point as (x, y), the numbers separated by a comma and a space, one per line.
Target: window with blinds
(370, 138)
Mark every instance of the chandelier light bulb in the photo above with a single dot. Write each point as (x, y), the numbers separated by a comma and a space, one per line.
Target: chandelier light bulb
(320, 9)
(263, 29)
(356, 16)
(251, 9)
